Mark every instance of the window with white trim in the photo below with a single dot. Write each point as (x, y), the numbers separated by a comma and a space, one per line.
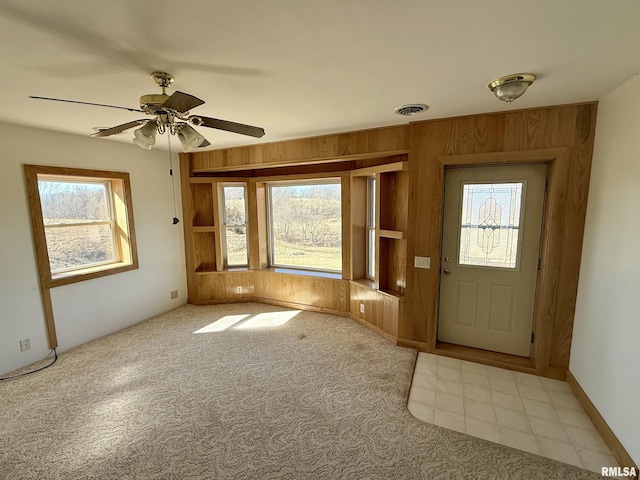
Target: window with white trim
(371, 228)
(305, 225)
(234, 229)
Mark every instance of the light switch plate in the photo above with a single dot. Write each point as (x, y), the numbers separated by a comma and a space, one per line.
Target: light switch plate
(422, 262)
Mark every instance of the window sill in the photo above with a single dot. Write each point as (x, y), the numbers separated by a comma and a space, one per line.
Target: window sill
(365, 282)
(89, 273)
(306, 273)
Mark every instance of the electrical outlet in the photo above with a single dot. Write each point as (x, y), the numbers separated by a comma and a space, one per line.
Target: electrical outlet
(174, 294)
(25, 344)
(238, 289)
(362, 308)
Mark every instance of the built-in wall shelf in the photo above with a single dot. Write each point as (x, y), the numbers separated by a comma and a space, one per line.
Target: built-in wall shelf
(392, 188)
(205, 271)
(366, 283)
(386, 168)
(395, 234)
(193, 180)
(393, 293)
(203, 229)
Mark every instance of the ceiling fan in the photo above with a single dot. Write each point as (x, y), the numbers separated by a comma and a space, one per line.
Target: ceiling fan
(171, 114)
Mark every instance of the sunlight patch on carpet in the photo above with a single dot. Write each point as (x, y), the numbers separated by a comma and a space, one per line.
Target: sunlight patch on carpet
(222, 324)
(267, 320)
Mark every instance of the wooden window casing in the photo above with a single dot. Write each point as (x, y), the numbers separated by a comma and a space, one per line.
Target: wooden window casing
(121, 221)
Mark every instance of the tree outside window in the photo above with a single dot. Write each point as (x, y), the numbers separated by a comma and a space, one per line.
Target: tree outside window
(82, 222)
(306, 225)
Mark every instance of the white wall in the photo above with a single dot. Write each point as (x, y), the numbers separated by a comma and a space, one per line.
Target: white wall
(604, 353)
(86, 310)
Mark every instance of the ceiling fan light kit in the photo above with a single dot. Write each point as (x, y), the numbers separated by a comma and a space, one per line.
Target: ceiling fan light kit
(147, 133)
(189, 138)
(171, 114)
(511, 87)
(141, 144)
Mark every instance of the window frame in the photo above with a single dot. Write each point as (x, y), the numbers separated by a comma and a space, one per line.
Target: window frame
(224, 226)
(371, 202)
(111, 221)
(123, 228)
(291, 183)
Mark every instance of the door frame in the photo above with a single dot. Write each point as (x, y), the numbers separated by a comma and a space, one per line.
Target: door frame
(552, 247)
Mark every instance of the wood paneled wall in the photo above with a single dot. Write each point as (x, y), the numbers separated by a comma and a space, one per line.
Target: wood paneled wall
(560, 136)
(318, 293)
(380, 309)
(328, 148)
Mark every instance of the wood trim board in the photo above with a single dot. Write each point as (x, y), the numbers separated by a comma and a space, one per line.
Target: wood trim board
(610, 438)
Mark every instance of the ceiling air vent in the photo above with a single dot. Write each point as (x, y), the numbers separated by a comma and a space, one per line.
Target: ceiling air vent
(412, 109)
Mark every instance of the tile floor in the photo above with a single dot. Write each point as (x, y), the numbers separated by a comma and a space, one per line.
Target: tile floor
(535, 414)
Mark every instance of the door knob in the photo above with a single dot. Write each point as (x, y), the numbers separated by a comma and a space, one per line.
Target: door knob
(446, 271)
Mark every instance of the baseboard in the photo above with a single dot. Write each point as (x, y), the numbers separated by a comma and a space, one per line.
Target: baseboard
(420, 346)
(377, 330)
(617, 449)
(268, 301)
(299, 306)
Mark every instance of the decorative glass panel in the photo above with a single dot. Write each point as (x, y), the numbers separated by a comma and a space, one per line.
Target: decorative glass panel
(490, 224)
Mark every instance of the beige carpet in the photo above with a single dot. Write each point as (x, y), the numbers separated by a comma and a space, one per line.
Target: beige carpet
(256, 394)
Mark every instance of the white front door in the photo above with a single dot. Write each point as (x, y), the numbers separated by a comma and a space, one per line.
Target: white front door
(490, 249)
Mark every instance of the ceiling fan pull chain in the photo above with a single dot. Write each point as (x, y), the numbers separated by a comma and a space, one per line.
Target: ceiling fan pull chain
(173, 185)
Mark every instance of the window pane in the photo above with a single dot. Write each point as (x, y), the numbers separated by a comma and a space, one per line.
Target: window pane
(234, 205)
(371, 254)
(371, 202)
(371, 224)
(306, 228)
(79, 246)
(65, 202)
(236, 246)
(490, 224)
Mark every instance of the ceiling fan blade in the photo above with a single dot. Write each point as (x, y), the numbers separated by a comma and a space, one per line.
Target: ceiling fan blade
(87, 103)
(182, 102)
(119, 128)
(234, 127)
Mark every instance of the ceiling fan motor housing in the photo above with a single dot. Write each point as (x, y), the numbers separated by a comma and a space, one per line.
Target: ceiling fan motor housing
(152, 103)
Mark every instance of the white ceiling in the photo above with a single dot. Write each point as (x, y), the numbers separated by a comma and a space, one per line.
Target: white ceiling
(299, 68)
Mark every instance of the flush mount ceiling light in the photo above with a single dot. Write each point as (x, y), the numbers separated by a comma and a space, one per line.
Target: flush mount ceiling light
(411, 109)
(510, 87)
